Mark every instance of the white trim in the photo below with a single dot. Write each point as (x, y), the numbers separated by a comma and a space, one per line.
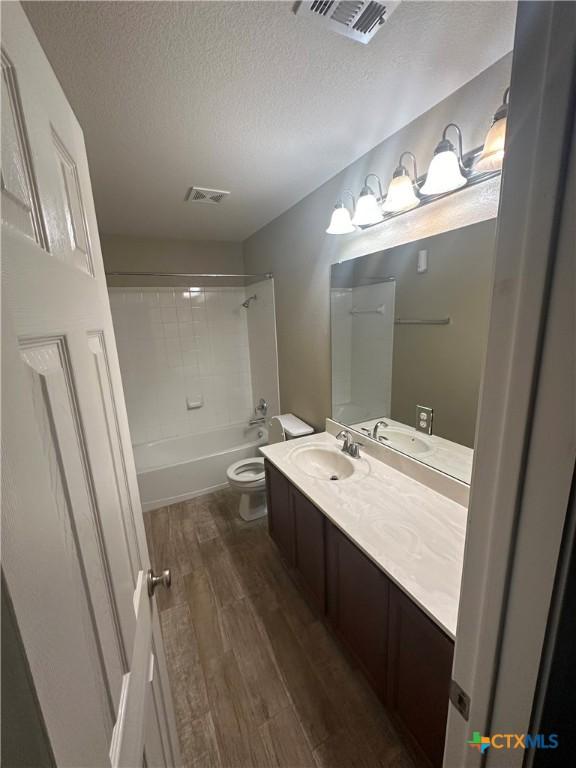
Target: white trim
(150, 506)
(509, 562)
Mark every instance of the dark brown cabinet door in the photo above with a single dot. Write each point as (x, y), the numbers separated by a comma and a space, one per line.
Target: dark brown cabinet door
(420, 668)
(404, 654)
(280, 512)
(309, 549)
(358, 606)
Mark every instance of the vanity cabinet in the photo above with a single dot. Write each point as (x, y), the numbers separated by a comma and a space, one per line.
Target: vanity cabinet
(358, 606)
(419, 672)
(280, 512)
(405, 656)
(309, 549)
(297, 528)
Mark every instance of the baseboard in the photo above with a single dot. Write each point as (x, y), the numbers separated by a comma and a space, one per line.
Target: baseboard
(150, 506)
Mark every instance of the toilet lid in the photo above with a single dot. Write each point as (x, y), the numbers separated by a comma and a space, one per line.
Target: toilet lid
(246, 470)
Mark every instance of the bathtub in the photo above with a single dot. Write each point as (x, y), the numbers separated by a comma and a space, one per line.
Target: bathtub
(180, 468)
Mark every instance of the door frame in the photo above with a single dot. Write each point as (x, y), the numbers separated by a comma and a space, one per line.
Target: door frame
(526, 432)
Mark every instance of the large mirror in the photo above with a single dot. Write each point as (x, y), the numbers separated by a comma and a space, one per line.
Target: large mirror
(409, 328)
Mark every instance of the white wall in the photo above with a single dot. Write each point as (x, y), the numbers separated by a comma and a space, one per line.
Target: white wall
(175, 344)
(262, 338)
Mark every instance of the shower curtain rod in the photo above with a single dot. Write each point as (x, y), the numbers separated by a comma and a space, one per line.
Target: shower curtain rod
(182, 274)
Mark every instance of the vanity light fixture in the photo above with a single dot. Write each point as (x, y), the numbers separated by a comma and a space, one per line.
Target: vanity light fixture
(402, 189)
(368, 210)
(446, 171)
(449, 171)
(492, 154)
(341, 223)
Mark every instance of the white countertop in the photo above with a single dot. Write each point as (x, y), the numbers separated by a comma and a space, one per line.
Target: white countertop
(414, 534)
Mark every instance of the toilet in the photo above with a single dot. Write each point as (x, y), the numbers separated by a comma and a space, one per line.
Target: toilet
(247, 475)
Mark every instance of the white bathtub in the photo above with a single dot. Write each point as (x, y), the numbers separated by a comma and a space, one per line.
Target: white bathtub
(180, 468)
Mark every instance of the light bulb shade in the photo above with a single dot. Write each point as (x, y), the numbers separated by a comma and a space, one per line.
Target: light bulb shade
(444, 174)
(492, 154)
(367, 210)
(340, 223)
(401, 195)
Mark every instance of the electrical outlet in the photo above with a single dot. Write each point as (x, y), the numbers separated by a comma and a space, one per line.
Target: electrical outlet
(424, 418)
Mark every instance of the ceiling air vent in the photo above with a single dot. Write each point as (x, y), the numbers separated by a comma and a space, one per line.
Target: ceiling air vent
(203, 195)
(357, 19)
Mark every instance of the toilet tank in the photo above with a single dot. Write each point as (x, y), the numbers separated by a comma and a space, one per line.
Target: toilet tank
(286, 427)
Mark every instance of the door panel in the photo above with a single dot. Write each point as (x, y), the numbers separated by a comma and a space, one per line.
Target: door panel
(40, 514)
(92, 409)
(70, 226)
(20, 206)
(64, 449)
(73, 539)
(97, 345)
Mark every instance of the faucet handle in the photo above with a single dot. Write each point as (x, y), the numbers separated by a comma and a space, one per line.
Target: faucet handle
(262, 407)
(354, 449)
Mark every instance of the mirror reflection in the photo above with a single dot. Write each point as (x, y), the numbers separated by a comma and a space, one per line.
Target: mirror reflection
(409, 330)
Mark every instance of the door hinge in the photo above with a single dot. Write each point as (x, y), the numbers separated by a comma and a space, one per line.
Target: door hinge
(460, 699)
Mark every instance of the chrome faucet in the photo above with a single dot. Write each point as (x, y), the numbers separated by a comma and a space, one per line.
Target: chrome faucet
(260, 412)
(349, 446)
(376, 428)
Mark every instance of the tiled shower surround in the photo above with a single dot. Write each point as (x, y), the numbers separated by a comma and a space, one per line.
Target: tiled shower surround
(182, 347)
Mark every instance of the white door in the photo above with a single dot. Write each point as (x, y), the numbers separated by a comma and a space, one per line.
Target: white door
(73, 543)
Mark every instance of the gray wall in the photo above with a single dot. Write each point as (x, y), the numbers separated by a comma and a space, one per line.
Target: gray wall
(123, 253)
(441, 366)
(299, 253)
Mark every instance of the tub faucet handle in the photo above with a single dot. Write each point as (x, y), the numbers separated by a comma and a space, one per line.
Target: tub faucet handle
(262, 407)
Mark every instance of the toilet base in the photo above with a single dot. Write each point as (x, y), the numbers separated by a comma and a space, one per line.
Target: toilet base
(253, 506)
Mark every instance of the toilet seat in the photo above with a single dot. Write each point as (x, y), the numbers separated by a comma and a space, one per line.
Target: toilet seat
(247, 474)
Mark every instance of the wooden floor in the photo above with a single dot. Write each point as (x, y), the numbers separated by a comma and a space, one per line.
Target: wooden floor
(257, 679)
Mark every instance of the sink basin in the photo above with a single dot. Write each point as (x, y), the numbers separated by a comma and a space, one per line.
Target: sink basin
(323, 463)
(403, 441)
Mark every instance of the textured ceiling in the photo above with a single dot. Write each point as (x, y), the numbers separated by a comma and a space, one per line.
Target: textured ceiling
(247, 97)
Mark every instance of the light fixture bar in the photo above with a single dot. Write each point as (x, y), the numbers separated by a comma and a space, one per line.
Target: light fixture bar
(474, 177)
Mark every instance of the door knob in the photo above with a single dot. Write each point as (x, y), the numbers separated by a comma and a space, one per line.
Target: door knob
(164, 580)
